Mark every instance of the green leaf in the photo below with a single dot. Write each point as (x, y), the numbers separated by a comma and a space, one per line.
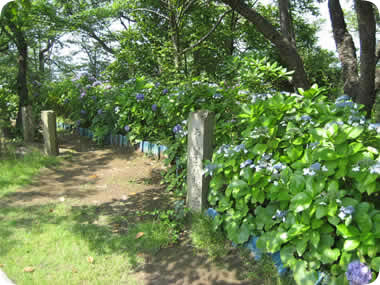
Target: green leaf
(300, 202)
(353, 132)
(314, 238)
(351, 244)
(347, 231)
(364, 222)
(329, 255)
(302, 275)
(297, 183)
(297, 229)
(244, 233)
(321, 212)
(375, 264)
(294, 152)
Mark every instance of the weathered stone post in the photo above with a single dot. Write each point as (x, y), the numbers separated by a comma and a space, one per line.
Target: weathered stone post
(27, 123)
(199, 148)
(49, 129)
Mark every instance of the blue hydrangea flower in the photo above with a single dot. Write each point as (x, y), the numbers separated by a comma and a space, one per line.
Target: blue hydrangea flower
(108, 87)
(83, 94)
(375, 168)
(83, 112)
(210, 168)
(127, 128)
(117, 109)
(315, 166)
(246, 163)
(154, 107)
(100, 111)
(308, 171)
(139, 97)
(375, 127)
(217, 96)
(157, 84)
(78, 123)
(358, 273)
(305, 118)
(345, 212)
(93, 98)
(66, 101)
(281, 215)
(177, 128)
(165, 91)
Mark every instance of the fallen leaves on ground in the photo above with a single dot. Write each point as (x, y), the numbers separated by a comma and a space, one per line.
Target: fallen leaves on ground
(1, 265)
(93, 176)
(139, 235)
(29, 269)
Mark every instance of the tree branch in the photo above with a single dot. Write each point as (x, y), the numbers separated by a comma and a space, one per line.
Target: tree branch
(101, 42)
(208, 34)
(287, 51)
(151, 11)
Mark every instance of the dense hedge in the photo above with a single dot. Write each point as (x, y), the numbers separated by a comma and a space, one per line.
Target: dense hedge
(305, 178)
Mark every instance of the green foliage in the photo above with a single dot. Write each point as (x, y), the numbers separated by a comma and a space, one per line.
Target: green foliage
(207, 239)
(304, 177)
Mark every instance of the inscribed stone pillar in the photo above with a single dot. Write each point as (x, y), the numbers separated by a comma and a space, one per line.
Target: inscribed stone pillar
(49, 129)
(199, 148)
(27, 123)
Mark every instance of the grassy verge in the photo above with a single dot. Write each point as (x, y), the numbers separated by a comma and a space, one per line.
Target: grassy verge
(214, 243)
(17, 170)
(63, 245)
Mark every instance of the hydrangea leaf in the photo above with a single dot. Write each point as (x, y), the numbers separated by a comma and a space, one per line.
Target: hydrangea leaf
(351, 244)
(302, 275)
(375, 264)
(329, 255)
(300, 202)
(347, 231)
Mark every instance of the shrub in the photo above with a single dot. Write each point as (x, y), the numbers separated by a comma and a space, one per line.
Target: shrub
(303, 177)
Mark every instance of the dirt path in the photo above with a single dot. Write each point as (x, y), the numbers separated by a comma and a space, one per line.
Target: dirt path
(119, 183)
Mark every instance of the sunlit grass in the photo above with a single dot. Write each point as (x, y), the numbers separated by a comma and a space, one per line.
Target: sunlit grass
(17, 170)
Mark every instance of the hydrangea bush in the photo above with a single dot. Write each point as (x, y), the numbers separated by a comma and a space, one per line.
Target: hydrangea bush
(304, 177)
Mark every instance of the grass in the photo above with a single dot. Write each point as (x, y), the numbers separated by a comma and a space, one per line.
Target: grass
(18, 170)
(62, 244)
(67, 245)
(213, 242)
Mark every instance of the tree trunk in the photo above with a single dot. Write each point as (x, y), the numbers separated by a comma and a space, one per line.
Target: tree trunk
(367, 33)
(288, 52)
(346, 50)
(22, 89)
(285, 20)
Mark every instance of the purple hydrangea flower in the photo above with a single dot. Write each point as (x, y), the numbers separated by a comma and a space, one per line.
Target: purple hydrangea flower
(177, 128)
(139, 97)
(78, 123)
(157, 84)
(93, 98)
(66, 100)
(154, 107)
(82, 94)
(100, 111)
(83, 112)
(127, 128)
(358, 273)
(165, 91)
(108, 87)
